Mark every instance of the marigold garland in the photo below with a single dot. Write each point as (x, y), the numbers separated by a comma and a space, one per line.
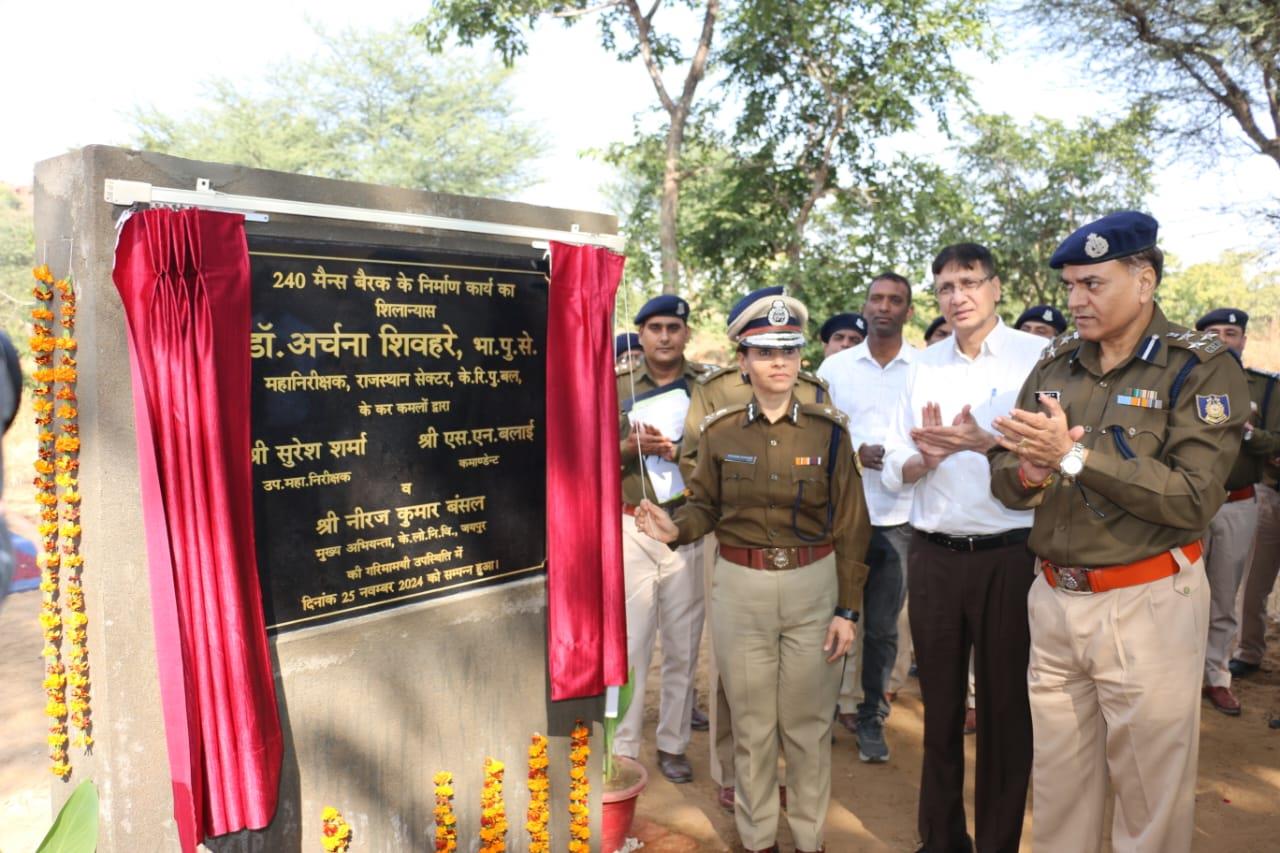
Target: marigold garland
(335, 832)
(446, 821)
(539, 813)
(579, 790)
(493, 810)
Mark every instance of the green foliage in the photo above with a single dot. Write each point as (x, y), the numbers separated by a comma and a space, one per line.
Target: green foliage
(374, 106)
(625, 694)
(1211, 64)
(75, 829)
(1235, 280)
(17, 257)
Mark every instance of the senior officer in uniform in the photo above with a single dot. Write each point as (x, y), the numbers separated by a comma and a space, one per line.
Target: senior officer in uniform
(1121, 442)
(664, 588)
(717, 389)
(1229, 541)
(841, 332)
(1043, 320)
(777, 481)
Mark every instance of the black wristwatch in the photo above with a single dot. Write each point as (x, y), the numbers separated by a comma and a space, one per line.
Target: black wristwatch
(846, 613)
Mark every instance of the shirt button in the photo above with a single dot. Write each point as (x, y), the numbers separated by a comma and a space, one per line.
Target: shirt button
(1090, 429)
(773, 476)
(772, 533)
(773, 442)
(1102, 384)
(1132, 431)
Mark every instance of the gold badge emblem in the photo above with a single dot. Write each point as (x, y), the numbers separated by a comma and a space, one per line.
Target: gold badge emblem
(1213, 409)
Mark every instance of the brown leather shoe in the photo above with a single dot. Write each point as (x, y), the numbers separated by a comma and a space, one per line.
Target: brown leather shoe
(675, 767)
(849, 721)
(726, 798)
(1223, 700)
(698, 721)
(970, 721)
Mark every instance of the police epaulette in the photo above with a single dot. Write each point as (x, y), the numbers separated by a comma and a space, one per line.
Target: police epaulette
(1061, 345)
(1205, 345)
(813, 379)
(831, 413)
(722, 413)
(713, 372)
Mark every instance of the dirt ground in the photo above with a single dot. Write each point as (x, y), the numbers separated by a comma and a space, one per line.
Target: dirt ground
(873, 806)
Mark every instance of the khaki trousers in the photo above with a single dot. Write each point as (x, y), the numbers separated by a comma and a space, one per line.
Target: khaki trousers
(664, 596)
(768, 630)
(851, 694)
(720, 729)
(1260, 578)
(1228, 550)
(1114, 682)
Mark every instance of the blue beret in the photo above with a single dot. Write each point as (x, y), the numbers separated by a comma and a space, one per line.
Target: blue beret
(839, 322)
(1043, 314)
(1116, 235)
(933, 327)
(625, 342)
(666, 305)
(1223, 317)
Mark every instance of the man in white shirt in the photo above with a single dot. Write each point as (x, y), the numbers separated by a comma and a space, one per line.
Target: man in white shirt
(866, 383)
(969, 569)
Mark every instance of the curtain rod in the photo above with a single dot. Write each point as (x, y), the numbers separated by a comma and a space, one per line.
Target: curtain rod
(125, 193)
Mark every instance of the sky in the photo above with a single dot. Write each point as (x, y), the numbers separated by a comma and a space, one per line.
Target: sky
(73, 70)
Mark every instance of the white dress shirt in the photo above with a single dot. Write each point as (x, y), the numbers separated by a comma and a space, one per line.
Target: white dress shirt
(869, 394)
(955, 498)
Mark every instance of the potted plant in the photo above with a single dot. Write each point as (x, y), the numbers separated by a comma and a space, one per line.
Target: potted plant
(624, 779)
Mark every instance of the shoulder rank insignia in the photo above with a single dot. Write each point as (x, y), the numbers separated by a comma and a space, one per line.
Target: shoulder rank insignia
(1213, 409)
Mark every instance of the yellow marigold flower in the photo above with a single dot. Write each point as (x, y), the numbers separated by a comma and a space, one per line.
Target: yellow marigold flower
(66, 444)
(54, 708)
(42, 273)
(61, 769)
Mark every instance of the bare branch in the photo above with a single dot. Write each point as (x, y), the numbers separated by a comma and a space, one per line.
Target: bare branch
(644, 39)
(591, 10)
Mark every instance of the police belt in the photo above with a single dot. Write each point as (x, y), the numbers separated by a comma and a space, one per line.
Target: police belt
(978, 543)
(1075, 579)
(774, 559)
(1241, 494)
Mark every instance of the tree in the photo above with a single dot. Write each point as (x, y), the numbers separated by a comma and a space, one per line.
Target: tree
(1216, 60)
(376, 107)
(17, 254)
(1234, 280)
(628, 31)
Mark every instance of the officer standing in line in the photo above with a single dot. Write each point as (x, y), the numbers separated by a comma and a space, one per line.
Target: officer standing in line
(939, 330)
(1260, 578)
(777, 480)
(841, 332)
(1121, 442)
(663, 587)
(1043, 320)
(720, 388)
(627, 352)
(1229, 541)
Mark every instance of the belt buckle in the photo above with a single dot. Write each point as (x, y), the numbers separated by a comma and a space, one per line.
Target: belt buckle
(1073, 578)
(779, 557)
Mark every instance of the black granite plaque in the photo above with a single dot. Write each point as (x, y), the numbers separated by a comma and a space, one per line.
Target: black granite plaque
(398, 402)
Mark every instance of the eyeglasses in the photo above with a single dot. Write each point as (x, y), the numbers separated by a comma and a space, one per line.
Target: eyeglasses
(965, 285)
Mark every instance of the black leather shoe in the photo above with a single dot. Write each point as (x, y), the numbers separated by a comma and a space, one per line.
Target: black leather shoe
(675, 767)
(699, 721)
(1241, 668)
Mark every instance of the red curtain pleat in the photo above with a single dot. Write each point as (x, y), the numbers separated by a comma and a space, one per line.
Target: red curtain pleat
(184, 279)
(586, 616)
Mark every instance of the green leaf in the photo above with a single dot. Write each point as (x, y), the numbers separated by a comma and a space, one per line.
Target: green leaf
(75, 829)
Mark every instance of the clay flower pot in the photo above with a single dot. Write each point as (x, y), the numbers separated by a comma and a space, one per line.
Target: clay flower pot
(618, 807)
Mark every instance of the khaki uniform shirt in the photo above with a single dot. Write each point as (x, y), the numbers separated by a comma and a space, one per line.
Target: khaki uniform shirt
(1156, 468)
(1264, 441)
(635, 484)
(763, 485)
(723, 387)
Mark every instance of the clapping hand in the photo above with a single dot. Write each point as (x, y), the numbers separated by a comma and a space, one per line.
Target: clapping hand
(935, 439)
(654, 522)
(654, 443)
(1040, 439)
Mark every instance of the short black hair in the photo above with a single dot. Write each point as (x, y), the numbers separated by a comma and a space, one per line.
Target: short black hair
(966, 255)
(890, 275)
(1152, 257)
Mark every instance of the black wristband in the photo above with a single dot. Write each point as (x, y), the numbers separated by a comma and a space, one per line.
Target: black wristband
(846, 613)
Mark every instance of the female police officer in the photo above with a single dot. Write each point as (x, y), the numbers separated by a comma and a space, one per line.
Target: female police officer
(777, 482)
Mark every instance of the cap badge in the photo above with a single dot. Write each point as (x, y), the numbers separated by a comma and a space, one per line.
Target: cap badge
(680, 309)
(778, 314)
(1096, 246)
(1048, 315)
(1231, 318)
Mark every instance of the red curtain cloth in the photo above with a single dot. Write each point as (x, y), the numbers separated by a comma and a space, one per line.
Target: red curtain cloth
(184, 279)
(586, 615)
